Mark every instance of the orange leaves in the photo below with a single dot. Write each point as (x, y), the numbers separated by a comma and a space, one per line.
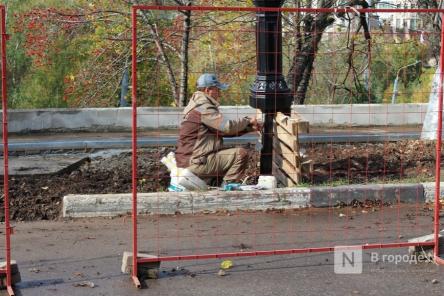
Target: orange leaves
(42, 28)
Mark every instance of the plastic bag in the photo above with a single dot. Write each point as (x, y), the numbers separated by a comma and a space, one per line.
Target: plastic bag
(182, 179)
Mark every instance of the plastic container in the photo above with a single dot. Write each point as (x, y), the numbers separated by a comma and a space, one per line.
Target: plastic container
(176, 188)
(267, 182)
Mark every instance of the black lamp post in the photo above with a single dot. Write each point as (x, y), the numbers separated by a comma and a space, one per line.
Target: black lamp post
(269, 92)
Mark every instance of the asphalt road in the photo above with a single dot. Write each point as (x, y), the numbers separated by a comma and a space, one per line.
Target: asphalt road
(81, 141)
(55, 257)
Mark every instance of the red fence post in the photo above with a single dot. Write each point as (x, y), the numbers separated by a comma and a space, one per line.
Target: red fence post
(5, 152)
(438, 151)
(134, 142)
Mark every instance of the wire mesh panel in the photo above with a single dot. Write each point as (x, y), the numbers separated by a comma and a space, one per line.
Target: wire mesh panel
(350, 156)
(5, 269)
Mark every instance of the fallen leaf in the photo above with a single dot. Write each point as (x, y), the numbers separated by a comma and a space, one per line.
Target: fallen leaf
(226, 264)
(79, 274)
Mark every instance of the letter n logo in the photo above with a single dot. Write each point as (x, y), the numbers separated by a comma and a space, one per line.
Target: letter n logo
(348, 259)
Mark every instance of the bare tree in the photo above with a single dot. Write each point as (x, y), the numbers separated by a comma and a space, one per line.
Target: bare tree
(179, 89)
(309, 29)
(184, 56)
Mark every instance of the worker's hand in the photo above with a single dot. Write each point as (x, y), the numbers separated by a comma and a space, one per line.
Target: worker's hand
(255, 124)
(259, 125)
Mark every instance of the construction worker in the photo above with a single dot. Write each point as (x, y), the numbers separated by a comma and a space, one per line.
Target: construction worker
(200, 146)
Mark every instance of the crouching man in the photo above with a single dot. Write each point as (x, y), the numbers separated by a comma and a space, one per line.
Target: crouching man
(200, 146)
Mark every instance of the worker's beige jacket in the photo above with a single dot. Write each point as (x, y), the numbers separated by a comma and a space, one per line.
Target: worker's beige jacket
(202, 129)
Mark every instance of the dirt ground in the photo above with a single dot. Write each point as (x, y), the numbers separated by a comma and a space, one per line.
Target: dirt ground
(39, 197)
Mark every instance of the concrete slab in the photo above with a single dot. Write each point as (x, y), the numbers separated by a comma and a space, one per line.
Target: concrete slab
(14, 267)
(145, 270)
(15, 274)
(427, 251)
(43, 164)
(429, 191)
(100, 205)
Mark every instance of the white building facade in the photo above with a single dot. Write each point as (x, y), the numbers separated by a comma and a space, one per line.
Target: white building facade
(399, 21)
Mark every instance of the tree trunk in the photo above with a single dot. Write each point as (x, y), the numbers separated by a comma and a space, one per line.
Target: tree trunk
(307, 42)
(183, 88)
(299, 96)
(300, 71)
(166, 61)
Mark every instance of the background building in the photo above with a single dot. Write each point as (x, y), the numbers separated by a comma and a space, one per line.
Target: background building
(399, 21)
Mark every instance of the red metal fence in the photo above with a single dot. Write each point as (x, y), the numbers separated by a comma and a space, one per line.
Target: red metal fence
(437, 201)
(4, 38)
(286, 239)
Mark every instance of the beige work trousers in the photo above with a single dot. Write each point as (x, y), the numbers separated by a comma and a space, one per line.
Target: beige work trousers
(229, 164)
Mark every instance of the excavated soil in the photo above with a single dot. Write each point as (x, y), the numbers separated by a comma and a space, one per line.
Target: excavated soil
(40, 197)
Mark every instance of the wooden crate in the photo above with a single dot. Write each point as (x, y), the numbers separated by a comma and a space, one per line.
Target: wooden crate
(287, 161)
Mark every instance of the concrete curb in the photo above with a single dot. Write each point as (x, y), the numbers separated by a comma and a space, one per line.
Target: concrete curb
(108, 205)
(429, 191)
(184, 202)
(391, 193)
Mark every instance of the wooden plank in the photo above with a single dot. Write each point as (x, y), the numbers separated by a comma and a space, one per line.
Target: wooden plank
(292, 126)
(307, 167)
(303, 125)
(292, 172)
(286, 152)
(289, 140)
(296, 116)
(285, 122)
(281, 177)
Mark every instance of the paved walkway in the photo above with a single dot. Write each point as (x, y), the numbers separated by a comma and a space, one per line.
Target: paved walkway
(56, 257)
